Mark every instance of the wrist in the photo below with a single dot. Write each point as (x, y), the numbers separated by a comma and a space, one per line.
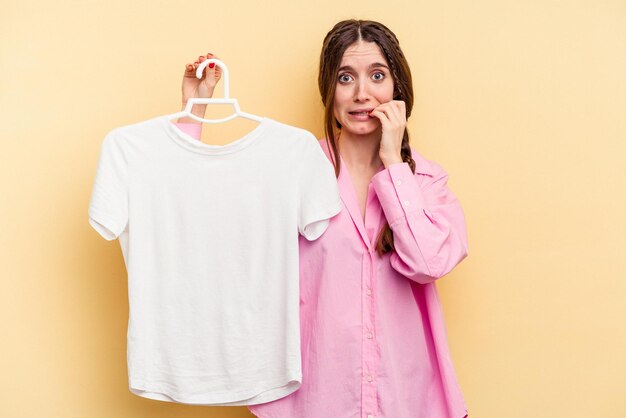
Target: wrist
(389, 160)
(196, 105)
(205, 95)
(197, 110)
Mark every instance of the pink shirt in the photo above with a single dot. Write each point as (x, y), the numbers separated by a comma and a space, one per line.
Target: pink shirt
(373, 335)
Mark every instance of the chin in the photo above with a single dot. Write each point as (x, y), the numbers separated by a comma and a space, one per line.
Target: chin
(363, 129)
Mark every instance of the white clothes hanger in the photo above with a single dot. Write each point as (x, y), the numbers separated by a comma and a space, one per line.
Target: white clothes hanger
(225, 100)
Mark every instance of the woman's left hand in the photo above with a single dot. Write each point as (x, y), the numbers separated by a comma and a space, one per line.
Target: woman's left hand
(392, 116)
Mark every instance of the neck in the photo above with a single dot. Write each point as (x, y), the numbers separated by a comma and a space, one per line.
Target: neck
(360, 152)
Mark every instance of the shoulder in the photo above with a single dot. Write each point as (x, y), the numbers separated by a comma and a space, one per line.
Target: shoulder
(114, 140)
(323, 144)
(290, 132)
(134, 133)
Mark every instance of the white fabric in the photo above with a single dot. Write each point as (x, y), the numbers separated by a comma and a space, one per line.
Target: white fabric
(209, 235)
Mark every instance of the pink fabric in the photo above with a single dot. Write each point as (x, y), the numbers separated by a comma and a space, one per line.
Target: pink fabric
(192, 129)
(373, 334)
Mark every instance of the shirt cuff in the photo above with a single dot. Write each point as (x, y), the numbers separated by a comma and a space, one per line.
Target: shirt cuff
(398, 191)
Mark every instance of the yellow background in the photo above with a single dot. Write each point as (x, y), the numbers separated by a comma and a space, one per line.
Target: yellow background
(522, 102)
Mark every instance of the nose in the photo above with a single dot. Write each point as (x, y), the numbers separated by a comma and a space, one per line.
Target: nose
(360, 92)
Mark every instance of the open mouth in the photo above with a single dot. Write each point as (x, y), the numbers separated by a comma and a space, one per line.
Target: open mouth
(361, 113)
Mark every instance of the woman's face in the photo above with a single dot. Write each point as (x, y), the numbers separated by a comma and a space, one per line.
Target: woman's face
(363, 82)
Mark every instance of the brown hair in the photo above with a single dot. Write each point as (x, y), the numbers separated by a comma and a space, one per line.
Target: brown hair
(340, 37)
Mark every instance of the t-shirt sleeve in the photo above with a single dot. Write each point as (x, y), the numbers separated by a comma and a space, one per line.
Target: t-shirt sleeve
(318, 192)
(108, 205)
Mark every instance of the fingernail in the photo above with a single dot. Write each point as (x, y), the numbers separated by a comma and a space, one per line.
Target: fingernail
(211, 65)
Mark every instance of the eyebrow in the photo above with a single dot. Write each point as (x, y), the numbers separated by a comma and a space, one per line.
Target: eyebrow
(373, 65)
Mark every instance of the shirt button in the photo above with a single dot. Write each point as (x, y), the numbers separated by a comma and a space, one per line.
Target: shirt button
(407, 203)
(369, 378)
(369, 291)
(369, 335)
(399, 182)
(370, 416)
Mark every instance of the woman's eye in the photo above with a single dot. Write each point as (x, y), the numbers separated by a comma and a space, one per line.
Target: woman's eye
(344, 78)
(378, 76)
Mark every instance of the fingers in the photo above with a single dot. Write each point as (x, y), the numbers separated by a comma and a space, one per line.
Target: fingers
(191, 68)
(201, 59)
(391, 113)
(380, 115)
(395, 110)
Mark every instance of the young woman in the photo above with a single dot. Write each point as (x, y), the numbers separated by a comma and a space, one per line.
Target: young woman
(373, 336)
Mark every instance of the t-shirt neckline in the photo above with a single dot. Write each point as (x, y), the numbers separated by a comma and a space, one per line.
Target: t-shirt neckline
(195, 145)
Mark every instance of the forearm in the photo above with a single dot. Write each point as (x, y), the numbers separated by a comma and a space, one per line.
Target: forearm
(428, 223)
(197, 110)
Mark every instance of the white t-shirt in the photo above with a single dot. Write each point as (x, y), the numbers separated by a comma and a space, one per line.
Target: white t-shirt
(209, 235)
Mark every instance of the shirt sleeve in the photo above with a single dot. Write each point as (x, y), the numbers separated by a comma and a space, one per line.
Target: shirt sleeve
(194, 130)
(427, 221)
(318, 192)
(108, 205)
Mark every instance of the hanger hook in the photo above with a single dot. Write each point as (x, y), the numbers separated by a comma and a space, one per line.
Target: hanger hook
(203, 65)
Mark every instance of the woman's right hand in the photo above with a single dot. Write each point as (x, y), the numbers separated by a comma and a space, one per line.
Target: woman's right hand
(193, 87)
